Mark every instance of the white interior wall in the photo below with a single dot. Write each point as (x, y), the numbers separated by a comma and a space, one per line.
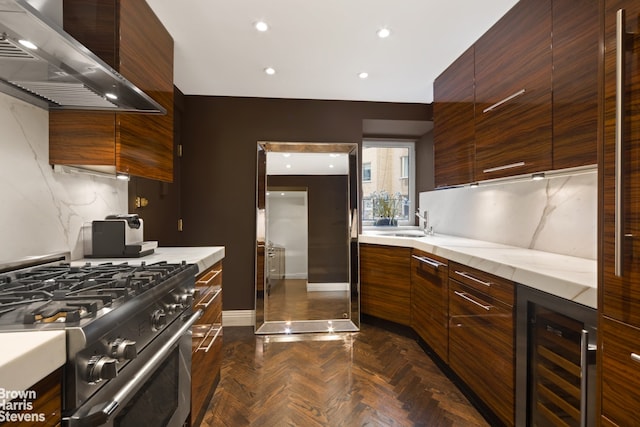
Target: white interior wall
(287, 226)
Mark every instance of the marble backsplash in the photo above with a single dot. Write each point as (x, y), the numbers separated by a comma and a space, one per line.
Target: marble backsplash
(556, 214)
(43, 212)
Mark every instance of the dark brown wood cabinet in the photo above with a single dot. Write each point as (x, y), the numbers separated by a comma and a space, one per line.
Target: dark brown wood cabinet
(513, 116)
(48, 403)
(385, 282)
(129, 37)
(482, 336)
(430, 301)
(575, 53)
(207, 341)
(619, 193)
(453, 123)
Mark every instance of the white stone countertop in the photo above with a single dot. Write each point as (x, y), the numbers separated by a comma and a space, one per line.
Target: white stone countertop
(565, 276)
(203, 256)
(28, 357)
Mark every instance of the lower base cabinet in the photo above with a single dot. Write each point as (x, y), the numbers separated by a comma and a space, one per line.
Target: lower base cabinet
(482, 337)
(206, 356)
(385, 282)
(621, 373)
(466, 316)
(430, 301)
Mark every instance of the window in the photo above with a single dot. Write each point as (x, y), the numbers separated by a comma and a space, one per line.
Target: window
(388, 182)
(366, 172)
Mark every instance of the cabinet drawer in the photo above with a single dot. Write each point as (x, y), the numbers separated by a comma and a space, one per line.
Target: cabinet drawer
(496, 287)
(209, 300)
(620, 372)
(205, 367)
(211, 277)
(481, 347)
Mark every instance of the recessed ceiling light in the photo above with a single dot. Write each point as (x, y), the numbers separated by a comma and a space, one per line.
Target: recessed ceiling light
(383, 33)
(261, 26)
(286, 154)
(28, 44)
(270, 71)
(288, 166)
(363, 75)
(331, 166)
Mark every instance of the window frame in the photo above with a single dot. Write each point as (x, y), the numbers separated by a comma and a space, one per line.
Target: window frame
(393, 143)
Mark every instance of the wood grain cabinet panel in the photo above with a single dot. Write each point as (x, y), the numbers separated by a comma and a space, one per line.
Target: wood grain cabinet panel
(576, 48)
(430, 301)
(619, 294)
(453, 123)
(620, 372)
(482, 345)
(207, 341)
(128, 36)
(48, 402)
(385, 282)
(513, 115)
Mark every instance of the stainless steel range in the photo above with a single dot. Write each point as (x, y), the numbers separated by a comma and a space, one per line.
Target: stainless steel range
(128, 336)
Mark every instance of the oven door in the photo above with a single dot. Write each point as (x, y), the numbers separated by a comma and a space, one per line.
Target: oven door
(153, 390)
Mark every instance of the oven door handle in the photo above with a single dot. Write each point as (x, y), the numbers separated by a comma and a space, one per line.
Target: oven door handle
(100, 413)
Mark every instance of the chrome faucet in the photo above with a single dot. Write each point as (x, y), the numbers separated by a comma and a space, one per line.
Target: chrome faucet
(428, 230)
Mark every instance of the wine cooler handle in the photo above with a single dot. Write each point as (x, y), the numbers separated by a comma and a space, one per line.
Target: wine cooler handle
(585, 359)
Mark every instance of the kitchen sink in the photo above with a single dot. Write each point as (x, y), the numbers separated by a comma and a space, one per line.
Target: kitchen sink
(408, 234)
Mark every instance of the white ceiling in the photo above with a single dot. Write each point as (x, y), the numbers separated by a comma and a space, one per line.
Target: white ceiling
(318, 47)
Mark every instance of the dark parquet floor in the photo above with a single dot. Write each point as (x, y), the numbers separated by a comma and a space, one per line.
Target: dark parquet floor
(370, 378)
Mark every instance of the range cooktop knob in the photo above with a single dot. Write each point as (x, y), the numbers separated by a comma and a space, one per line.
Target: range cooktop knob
(101, 368)
(158, 319)
(185, 300)
(123, 349)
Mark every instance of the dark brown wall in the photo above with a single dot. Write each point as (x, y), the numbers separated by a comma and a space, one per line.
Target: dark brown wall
(328, 250)
(219, 161)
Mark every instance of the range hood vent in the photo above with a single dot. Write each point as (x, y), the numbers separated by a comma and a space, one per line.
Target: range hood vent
(57, 72)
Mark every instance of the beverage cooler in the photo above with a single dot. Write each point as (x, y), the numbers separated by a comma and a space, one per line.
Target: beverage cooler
(555, 361)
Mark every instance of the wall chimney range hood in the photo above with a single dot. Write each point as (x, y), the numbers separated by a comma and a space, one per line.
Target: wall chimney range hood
(42, 64)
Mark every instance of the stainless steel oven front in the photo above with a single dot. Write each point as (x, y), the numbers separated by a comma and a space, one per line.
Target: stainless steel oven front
(154, 389)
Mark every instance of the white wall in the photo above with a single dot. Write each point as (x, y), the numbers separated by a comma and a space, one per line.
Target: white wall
(287, 224)
(42, 212)
(553, 215)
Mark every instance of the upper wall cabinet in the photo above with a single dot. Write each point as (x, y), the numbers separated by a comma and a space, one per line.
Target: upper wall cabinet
(513, 93)
(535, 98)
(453, 119)
(128, 36)
(575, 82)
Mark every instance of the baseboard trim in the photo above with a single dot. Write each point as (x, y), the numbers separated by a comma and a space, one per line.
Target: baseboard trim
(318, 287)
(239, 318)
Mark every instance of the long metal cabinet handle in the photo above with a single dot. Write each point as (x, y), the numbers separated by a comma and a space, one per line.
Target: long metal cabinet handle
(432, 262)
(619, 138)
(507, 99)
(470, 277)
(218, 329)
(503, 167)
(471, 300)
(203, 282)
(101, 413)
(208, 303)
